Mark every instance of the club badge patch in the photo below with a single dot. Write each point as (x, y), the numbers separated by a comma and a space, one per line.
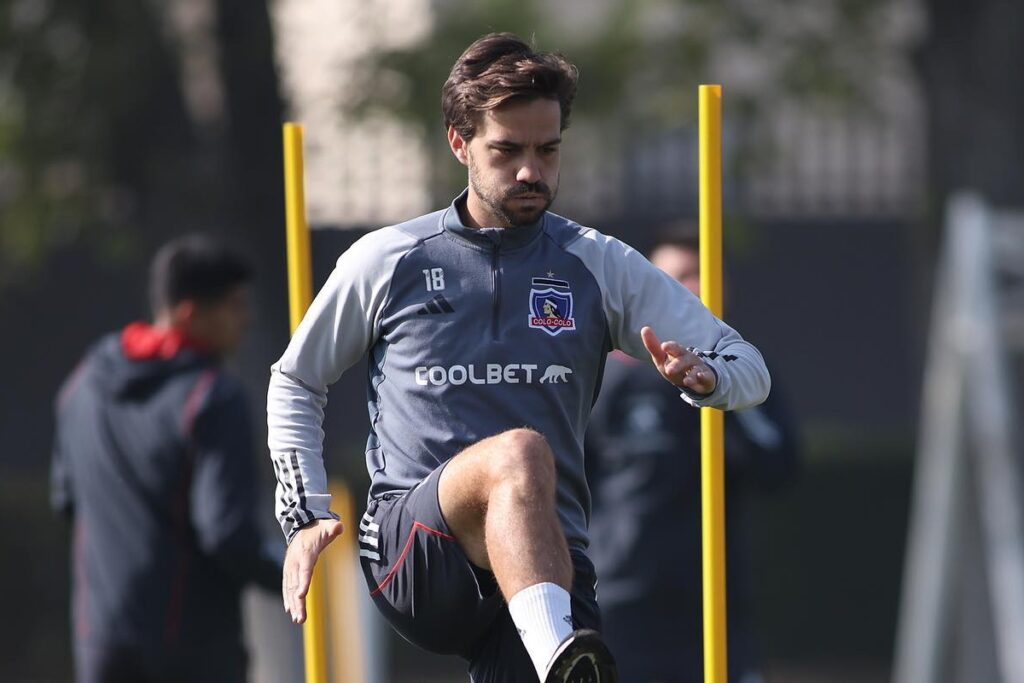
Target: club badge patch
(551, 306)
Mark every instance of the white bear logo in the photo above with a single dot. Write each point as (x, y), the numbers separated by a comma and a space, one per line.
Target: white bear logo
(555, 374)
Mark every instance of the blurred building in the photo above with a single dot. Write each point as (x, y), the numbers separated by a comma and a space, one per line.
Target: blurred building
(813, 156)
(359, 171)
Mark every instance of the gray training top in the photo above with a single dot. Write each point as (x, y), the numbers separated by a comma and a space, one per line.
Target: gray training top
(474, 332)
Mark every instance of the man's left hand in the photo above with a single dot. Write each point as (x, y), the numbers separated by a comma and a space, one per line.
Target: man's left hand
(679, 365)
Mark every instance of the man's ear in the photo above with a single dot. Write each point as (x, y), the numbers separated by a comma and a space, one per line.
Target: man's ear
(458, 146)
(183, 314)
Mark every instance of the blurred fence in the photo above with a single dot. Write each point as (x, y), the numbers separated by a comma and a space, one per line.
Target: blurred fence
(794, 163)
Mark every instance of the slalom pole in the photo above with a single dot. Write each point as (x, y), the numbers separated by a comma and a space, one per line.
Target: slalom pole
(300, 295)
(712, 435)
(352, 657)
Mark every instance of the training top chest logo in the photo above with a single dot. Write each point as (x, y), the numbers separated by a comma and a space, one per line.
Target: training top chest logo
(551, 306)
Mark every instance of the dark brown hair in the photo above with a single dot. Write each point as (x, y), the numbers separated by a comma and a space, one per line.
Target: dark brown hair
(683, 235)
(195, 267)
(499, 68)
(685, 242)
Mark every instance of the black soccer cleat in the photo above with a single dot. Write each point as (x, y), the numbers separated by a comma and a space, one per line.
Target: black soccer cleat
(582, 658)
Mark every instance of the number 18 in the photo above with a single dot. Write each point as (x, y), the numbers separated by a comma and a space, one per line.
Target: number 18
(434, 278)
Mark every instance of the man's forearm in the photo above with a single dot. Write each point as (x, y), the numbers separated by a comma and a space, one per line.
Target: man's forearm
(295, 415)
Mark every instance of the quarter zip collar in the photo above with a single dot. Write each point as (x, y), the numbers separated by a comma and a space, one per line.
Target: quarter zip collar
(503, 239)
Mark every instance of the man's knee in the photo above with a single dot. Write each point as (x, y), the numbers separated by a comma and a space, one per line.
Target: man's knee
(526, 456)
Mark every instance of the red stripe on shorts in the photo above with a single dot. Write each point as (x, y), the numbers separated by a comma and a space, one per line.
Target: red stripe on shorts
(416, 526)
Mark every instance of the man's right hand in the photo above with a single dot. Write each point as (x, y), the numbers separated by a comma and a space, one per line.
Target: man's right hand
(682, 367)
(299, 561)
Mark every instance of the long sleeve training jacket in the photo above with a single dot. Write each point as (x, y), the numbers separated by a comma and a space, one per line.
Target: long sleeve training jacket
(473, 332)
(153, 462)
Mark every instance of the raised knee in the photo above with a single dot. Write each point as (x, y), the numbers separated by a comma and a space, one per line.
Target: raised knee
(526, 455)
(525, 440)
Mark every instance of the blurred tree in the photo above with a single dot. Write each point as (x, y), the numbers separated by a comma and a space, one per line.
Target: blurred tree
(80, 92)
(641, 60)
(123, 123)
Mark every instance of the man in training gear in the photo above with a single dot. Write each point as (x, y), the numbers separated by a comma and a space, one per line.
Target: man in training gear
(643, 470)
(153, 463)
(475, 535)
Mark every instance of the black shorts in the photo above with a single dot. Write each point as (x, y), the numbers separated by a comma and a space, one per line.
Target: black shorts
(430, 592)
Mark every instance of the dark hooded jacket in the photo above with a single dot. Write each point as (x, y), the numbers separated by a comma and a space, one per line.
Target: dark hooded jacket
(153, 463)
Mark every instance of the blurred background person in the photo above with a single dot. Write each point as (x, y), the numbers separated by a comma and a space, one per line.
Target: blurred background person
(643, 466)
(153, 465)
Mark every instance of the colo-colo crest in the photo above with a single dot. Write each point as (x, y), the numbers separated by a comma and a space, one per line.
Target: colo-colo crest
(551, 306)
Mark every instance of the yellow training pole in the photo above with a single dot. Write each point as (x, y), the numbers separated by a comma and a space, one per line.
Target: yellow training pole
(712, 436)
(300, 295)
(341, 567)
(300, 273)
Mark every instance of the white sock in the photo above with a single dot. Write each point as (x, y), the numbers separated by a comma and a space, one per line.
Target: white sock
(542, 614)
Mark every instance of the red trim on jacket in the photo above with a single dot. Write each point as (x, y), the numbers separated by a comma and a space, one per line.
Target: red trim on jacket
(195, 400)
(182, 504)
(142, 341)
(70, 384)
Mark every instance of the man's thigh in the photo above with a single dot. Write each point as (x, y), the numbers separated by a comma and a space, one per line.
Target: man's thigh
(420, 578)
(465, 485)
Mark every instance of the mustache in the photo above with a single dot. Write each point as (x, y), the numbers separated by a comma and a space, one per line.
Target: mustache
(539, 187)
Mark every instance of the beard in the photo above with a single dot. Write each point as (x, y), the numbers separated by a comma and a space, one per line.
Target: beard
(500, 201)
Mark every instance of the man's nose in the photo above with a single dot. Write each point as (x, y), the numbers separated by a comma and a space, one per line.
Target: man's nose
(528, 172)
